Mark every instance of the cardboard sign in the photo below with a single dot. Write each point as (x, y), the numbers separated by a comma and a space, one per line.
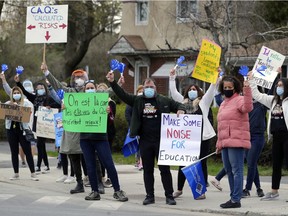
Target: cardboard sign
(266, 65)
(45, 122)
(85, 112)
(15, 113)
(207, 63)
(180, 139)
(47, 24)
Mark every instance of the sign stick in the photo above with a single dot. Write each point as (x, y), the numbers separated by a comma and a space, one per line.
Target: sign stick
(44, 54)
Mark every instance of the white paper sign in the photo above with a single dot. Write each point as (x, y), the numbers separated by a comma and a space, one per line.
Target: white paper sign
(47, 24)
(266, 65)
(180, 139)
(45, 122)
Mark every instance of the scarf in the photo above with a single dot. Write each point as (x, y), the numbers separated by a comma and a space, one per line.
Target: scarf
(191, 106)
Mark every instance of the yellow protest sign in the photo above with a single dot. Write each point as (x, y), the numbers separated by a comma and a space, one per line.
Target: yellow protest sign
(207, 62)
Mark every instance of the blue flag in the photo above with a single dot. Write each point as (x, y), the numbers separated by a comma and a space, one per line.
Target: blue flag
(195, 178)
(131, 145)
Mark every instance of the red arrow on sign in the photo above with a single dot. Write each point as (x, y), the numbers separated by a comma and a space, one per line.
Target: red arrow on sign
(62, 26)
(47, 36)
(30, 27)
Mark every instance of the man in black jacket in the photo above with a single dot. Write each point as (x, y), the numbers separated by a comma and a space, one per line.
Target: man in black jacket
(146, 123)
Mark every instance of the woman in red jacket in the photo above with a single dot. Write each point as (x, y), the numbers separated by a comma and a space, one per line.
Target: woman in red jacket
(234, 134)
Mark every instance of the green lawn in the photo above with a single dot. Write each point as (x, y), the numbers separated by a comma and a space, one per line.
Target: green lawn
(213, 167)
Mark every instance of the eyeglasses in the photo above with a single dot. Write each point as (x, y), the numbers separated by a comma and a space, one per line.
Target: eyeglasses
(89, 81)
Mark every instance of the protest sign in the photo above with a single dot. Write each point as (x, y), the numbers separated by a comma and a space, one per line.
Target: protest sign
(58, 129)
(14, 112)
(180, 139)
(207, 63)
(266, 65)
(47, 24)
(45, 122)
(85, 112)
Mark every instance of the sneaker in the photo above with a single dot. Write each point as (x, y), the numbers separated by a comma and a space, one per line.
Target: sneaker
(201, 197)
(34, 177)
(15, 177)
(170, 200)
(62, 178)
(86, 180)
(70, 180)
(245, 193)
(120, 195)
(149, 199)
(78, 189)
(260, 192)
(231, 204)
(216, 184)
(93, 196)
(270, 196)
(177, 194)
(46, 170)
(107, 183)
(101, 188)
(23, 164)
(37, 170)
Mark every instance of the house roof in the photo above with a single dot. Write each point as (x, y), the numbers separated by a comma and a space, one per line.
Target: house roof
(128, 44)
(163, 71)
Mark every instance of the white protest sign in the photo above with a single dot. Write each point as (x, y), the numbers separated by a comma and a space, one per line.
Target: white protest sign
(47, 24)
(45, 122)
(180, 139)
(266, 65)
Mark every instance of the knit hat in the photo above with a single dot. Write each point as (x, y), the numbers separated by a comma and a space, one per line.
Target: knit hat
(80, 73)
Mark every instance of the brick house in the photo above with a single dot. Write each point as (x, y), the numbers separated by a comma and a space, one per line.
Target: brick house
(155, 33)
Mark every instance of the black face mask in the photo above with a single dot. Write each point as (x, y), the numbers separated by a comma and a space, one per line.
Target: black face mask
(228, 93)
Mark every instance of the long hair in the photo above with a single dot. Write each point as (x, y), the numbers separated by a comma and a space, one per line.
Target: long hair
(285, 86)
(21, 102)
(199, 91)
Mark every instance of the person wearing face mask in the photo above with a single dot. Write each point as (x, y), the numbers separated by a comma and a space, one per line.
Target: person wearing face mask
(128, 114)
(98, 142)
(70, 143)
(276, 128)
(15, 135)
(111, 130)
(41, 98)
(7, 89)
(146, 123)
(198, 104)
(234, 134)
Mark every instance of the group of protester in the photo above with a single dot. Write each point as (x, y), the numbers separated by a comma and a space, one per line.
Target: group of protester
(236, 138)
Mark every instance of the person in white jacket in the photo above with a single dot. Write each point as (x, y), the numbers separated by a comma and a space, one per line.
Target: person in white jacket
(276, 126)
(197, 103)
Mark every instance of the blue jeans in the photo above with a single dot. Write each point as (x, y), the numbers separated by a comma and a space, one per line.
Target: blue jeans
(252, 155)
(233, 163)
(104, 153)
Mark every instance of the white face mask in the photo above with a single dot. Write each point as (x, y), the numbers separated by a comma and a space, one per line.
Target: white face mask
(16, 97)
(79, 82)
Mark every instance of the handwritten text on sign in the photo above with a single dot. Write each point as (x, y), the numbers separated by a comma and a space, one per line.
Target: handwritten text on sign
(45, 122)
(180, 139)
(207, 62)
(15, 112)
(266, 65)
(47, 24)
(85, 112)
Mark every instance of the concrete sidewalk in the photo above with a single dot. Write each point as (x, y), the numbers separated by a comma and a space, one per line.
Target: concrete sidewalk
(131, 181)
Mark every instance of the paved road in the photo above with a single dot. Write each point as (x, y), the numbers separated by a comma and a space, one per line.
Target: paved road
(46, 197)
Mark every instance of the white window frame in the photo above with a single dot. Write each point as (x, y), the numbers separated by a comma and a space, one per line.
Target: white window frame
(180, 19)
(138, 65)
(137, 13)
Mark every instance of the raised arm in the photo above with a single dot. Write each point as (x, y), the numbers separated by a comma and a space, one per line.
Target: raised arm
(172, 87)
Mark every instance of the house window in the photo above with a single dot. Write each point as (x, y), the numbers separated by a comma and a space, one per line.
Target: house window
(142, 12)
(186, 9)
(141, 73)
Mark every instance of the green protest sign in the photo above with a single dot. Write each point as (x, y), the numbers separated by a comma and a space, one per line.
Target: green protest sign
(85, 112)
